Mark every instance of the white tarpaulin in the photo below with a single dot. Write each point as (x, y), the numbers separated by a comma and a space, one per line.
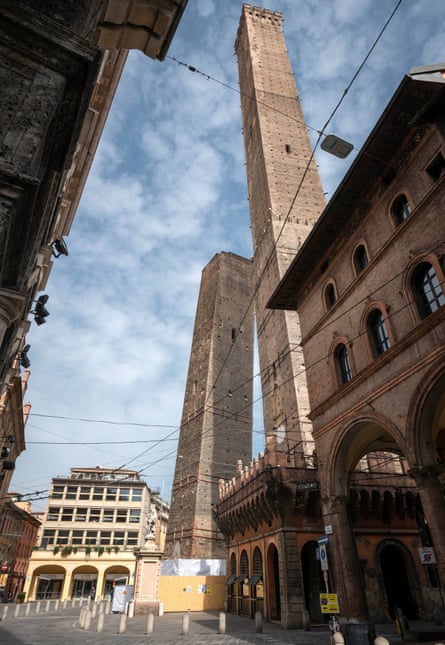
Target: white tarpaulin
(181, 567)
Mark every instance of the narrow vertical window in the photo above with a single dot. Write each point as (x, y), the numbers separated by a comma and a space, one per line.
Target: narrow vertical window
(427, 290)
(330, 296)
(378, 333)
(400, 209)
(343, 364)
(360, 258)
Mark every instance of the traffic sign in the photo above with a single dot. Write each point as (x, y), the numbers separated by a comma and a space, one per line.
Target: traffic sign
(322, 540)
(323, 557)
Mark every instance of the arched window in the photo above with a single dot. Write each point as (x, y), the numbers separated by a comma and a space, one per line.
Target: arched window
(244, 565)
(342, 363)
(400, 209)
(378, 332)
(360, 258)
(427, 289)
(330, 296)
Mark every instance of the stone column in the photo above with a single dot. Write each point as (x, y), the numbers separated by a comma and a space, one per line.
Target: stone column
(433, 504)
(345, 577)
(100, 584)
(291, 588)
(66, 589)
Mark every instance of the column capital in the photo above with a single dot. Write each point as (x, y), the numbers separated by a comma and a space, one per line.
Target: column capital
(427, 476)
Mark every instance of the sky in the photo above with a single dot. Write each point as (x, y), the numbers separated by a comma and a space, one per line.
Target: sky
(167, 191)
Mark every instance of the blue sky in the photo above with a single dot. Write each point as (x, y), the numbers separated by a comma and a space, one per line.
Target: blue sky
(166, 192)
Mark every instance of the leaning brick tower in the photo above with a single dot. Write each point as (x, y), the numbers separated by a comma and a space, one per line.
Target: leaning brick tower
(216, 426)
(286, 198)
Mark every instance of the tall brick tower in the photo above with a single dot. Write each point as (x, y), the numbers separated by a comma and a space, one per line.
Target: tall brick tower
(216, 427)
(286, 197)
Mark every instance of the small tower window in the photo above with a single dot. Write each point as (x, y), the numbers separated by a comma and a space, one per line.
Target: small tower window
(342, 363)
(330, 296)
(378, 332)
(437, 168)
(360, 259)
(400, 209)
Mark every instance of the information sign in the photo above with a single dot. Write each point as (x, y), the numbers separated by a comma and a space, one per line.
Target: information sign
(329, 603)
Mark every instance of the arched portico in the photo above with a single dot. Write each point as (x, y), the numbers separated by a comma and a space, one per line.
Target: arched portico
(369, 434)
(47, 582)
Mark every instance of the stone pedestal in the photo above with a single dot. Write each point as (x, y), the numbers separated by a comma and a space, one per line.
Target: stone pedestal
(146, 585)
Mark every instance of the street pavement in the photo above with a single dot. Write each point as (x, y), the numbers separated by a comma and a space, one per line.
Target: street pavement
(62, 627)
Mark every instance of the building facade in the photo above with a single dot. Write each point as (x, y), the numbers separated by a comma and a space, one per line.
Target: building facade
(58, 74)
(367, 285)
(18, 536)
(96, 522)
(216, 426)
(371, 303)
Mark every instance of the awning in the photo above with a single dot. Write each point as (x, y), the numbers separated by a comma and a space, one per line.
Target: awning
(230, 580)
(241, 578)
(254, 580)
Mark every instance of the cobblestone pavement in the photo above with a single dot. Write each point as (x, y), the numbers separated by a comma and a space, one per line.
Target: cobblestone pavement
(61, 627)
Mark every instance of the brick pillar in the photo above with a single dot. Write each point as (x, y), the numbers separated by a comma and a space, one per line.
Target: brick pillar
(291, 587)
(345, 577)
(433, 504)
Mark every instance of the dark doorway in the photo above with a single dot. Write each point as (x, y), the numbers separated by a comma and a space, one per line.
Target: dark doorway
(273, 584)
(396, 580)
(312, 582)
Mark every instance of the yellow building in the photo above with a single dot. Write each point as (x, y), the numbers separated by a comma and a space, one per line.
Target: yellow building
(96, 522)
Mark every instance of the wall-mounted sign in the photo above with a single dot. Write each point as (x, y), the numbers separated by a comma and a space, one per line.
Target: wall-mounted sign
(427, 555)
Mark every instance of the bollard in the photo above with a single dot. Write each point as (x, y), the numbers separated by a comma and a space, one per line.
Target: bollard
(100, 622)
(64, 604)
(5, 612)
(37, 606)
(123, 624)
(81, 619)
(94, 611)
(87, 621)
(258, 622)
(17, 610)
(101, 608)
(48, 603)
(28, 609)
(185, 623)
(108, 607)
(222, 623)
(161, 609)
(56, 604)
(150, 623)
(306, 620)
(337, 638)
(381, 640)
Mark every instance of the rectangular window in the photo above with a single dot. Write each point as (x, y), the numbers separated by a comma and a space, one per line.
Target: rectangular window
(136, 494)
(105, 537)
(135, 515)
(98, 492)
(53, 514)
(94, 514)
(111, 494)
(67, 514)
(71, 492)
(81, 515)
(108, 515)
(124, 494)
(118, 538)
(58, 492)
(62, 537)
(48, 538)
(91, 537)
(84, 492)
(77, 537)
(121, 515)
(132, 538)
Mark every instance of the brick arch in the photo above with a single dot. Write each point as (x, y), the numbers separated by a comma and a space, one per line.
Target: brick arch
(372, 432)
(426, 416)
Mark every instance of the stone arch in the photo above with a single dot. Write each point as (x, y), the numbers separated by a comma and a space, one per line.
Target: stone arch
(47, 582)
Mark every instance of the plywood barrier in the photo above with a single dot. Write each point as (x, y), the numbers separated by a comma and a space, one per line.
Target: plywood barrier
(197, 593)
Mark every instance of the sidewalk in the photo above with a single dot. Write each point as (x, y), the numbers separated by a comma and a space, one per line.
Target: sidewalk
(62, 627)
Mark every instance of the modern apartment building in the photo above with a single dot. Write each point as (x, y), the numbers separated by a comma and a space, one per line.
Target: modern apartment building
(96, 521)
